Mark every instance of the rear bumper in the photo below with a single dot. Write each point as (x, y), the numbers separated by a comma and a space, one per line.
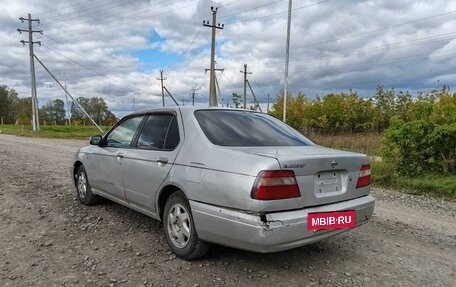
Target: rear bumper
(276, 232)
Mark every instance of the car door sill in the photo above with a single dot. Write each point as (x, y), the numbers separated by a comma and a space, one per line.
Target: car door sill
(124, 203)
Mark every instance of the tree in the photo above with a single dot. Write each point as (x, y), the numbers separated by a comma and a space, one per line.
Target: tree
(237, 101)
(384, 102)
(96, 108)
(23, 110)
(8, 99)
(53, 111)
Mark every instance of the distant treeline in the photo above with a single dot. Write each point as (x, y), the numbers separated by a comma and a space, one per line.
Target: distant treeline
(347, 112)
(15, 110)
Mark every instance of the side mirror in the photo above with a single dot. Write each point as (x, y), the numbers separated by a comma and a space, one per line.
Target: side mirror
(95, 140)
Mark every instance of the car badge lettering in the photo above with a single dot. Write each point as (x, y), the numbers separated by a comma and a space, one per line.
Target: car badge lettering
(294, 165)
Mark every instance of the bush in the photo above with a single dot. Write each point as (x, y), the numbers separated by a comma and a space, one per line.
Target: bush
(418, 146)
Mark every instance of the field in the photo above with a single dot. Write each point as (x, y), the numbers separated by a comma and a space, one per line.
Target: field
(367, 143)
(53, 131)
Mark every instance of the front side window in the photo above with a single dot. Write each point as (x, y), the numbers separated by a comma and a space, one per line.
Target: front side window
(239, 128)
(160, 132)
(122, 135)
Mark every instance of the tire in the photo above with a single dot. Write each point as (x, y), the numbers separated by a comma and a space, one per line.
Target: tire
(83, 189)
(180, 229)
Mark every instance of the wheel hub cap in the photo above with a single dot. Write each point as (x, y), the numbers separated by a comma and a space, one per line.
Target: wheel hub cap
(179, 225)
(82, 185)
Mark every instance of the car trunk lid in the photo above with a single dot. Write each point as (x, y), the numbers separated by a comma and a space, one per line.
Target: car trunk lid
(324, 175)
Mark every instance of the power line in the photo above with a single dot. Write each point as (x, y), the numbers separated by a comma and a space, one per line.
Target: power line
(279, 13)
(397, 45)
(187, 48)
(94, 71)
(92, 10)
(110, 18)
(230, 3)
(67, 7)
(377, 62)
(251, 9)
(376, 30)
(122, 21)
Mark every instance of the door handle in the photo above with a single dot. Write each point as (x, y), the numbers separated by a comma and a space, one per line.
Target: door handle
(162, 160)
(120, 155)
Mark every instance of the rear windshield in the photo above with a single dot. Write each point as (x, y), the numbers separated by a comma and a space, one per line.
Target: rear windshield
(239, 128)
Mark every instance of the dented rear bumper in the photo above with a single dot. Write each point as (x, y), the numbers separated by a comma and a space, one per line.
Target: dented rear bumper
(270, 232)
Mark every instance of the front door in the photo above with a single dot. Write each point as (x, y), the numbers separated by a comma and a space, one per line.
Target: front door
(105, 169)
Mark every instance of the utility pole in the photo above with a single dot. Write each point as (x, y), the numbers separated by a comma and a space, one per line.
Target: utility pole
(214, 26)
(67, 105)
(215, 83)
(287, 59)
(30, 31)
(267, 109)
(162, 86)
(193, 93)
(245, 84)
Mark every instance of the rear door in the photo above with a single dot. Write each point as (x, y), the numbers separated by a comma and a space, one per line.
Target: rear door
(149, 161)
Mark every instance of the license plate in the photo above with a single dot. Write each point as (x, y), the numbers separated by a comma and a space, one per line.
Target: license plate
(327, 181)
(331, 220)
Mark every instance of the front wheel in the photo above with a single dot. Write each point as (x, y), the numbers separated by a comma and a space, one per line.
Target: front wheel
(83, 188)
(180, 230)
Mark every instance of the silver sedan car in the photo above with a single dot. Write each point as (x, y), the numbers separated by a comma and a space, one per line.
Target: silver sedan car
(232, 177)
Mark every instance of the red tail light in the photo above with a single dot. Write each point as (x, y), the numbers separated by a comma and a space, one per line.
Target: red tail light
(275, 184)
(364, 178)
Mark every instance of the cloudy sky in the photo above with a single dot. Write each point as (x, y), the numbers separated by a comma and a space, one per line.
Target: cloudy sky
(115, 48)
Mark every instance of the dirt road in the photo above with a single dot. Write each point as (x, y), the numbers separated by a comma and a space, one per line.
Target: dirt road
(47, 238)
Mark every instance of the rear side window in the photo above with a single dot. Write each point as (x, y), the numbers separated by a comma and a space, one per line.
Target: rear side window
(160, 132)
(238, 128)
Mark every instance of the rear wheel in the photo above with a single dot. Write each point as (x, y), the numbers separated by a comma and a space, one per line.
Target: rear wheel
(180, 230)
(83, 188)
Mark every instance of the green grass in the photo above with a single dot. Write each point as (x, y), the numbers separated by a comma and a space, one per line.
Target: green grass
(367, 143)
(51, 131)
(438, 185)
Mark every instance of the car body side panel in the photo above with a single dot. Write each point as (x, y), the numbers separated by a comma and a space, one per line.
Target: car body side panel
(211, 186)
(104, 169)
(144, 175)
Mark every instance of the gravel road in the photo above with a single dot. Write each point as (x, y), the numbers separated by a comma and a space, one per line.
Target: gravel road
(47, 238)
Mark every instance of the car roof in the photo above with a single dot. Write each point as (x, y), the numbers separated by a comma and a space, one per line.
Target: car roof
(183, 109)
